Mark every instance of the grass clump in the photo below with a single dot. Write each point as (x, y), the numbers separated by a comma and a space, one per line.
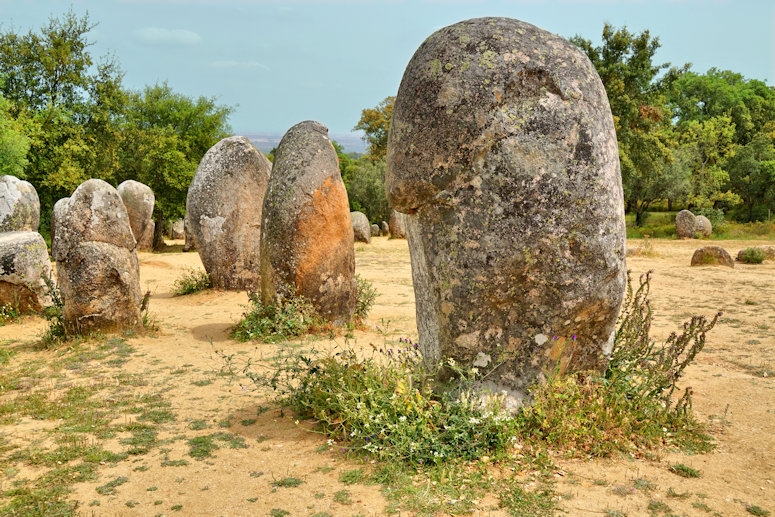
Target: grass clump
(192, 281)
(753, 256)
(291, 317)
(632, 406)
(684, 471)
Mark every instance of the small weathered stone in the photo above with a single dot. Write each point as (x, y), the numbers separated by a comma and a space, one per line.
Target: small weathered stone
(712, 256)
(361, 227)
(502, 153)
(56, 214)
(223, 212)
(178, 230)
(24, 264)
(397, 225)
(19, 205)
(702, 226)
(685, 224)
(385, 228)
(139, 201)
(375, 230)
(307, 236)
(97, 268)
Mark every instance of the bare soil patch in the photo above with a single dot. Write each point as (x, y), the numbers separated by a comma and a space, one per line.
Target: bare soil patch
(182, 363)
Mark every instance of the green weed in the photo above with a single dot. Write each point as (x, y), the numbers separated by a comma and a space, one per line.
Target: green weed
(192, 281)
(753, 256)
(684, 471)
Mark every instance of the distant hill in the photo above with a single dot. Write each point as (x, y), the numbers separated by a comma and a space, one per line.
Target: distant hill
(351, 142)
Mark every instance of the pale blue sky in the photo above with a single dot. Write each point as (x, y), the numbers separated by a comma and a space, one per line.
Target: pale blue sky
(279, 62)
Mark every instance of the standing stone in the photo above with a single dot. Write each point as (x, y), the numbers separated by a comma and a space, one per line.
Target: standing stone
(385, 228)
(223, 212)
(56, 214)
(361, 227)
(178, 231)
(97, 268)
(19, 205)
(712, 256)
(397, 225)
(139, 200)
(702, 226)
(685, 224)
(24, 264)
(375, 230)
(502, 151)
(307, 237)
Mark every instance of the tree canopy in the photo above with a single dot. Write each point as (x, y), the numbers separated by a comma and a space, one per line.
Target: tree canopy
(65, 119)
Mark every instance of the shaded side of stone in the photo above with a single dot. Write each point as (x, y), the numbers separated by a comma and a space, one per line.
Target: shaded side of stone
(223, 212)
(712, 256)
(503, 156)
(307, 234)
(375, 230)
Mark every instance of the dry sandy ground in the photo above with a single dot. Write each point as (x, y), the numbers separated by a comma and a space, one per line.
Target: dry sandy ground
(732, 382)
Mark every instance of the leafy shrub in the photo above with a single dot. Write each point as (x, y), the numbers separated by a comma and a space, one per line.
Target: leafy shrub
(632, 406)
(293, 316)
(753, 256)
(365, 297)
(192, 281)
(8, 313)
(716, 218)
(55, 314)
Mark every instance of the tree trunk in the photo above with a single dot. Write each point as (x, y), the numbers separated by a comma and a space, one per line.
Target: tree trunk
(158, 232)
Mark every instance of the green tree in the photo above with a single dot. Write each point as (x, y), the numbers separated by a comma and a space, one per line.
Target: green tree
(752, 176)
(636, 89)
(54, 86)
(709, 143)
(364, 179)
(14, 143)
(375, 123)
(166, 134)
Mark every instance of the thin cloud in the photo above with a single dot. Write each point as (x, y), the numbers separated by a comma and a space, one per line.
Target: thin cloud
(243, 65)
(159, 36)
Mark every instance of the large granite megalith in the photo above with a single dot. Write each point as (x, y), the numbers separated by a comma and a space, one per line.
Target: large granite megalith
(223, 212)
(98, 272)
(307, 236)
(19, 205)
(502, 152)
(139, 200)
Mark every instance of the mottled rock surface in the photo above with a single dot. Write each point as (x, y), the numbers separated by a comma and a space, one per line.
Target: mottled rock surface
(385, 227)
(361, 227)
(223, 212)
(712, 256)
(139, 200)
(24, 264)
(397, 225)
(685, 224)
(702, 226)
(56, 214)
(97, 268)
(19, 205)
(307, 236)
(503, 155)
(178, 230)
(375, 230)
